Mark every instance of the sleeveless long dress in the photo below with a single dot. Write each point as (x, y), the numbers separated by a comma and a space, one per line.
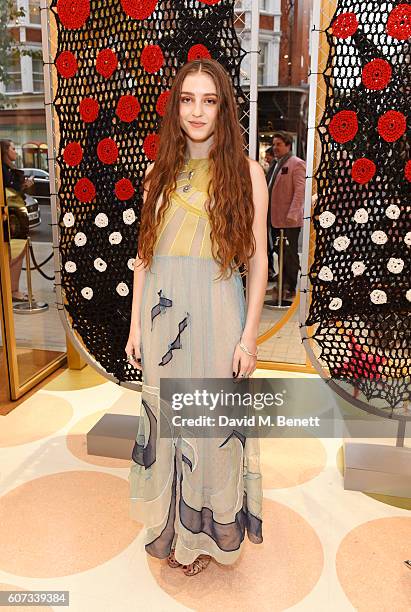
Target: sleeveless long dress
(192, 494)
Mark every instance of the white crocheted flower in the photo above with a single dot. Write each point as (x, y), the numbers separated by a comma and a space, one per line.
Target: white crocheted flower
(325, 274)
(358, 268)
(80, 239)
(130, 263)
(326, 219)
(407, 238)
(68, 219)
(335, 304)
(87, 292)
(101, 220)
(341, 243)
(393, 211)
(100, 264)
(361, 216)
(408, 295)
(122, 289)
(115, 238)
(378, 296)
(70, 266)
(379, 237)
(395, 265)
(129, 216)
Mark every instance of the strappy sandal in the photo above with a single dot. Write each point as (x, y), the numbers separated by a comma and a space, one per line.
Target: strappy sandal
(16, 299)
(197, 566)
(171, 560)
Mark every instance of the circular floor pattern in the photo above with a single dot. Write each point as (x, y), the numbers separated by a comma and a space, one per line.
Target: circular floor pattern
(38, 417)
(274, 575)
(65, 523)
(21, 608)
(370, 565)
(74, 380)
(288, 462)
(77, 443)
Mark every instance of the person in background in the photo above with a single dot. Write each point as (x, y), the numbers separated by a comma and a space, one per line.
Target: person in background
(287, 191)
(269, 158)
(13, 178)
(271, 163)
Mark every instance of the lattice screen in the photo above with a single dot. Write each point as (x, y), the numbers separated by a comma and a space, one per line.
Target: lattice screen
(360, 277)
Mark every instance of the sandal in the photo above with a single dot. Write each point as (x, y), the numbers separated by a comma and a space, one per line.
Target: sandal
(171, 560)
(197, 566)
(16, 299)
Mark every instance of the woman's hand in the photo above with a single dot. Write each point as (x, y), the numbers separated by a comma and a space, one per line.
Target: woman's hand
(28, 182)
(133, 349)
(243, 364)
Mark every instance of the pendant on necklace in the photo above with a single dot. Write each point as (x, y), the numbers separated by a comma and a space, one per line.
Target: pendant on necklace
(186, 188)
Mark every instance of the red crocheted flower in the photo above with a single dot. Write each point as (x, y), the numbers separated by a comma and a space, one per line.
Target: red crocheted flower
(162, 100)
(139, 9)
(106, 63)
(73, 154)
(343, 126)
(345, 25)
(150, 146)
(407, 170)
(89, 109)
(363, 170)
(399, 22)
(152, 58)
(391, 125)
(66, 64)
(124, 189)
(73, 14)
(376, 74)
(128, 108)
(107, 151)
(197, 52)
(84, 190)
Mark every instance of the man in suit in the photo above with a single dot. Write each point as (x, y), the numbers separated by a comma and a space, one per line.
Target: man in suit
(287, 192)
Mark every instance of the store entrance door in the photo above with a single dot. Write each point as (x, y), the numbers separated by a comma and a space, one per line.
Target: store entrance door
(32, 338)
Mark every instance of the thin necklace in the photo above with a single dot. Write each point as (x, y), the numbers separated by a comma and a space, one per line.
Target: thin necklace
(189, 177)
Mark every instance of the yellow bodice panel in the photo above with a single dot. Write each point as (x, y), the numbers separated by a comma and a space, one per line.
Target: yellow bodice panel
(185, 230)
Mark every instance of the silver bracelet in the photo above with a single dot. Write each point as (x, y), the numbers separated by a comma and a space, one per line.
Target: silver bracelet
(245, 349)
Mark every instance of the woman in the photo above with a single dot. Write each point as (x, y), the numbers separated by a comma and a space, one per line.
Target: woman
(196, 497)
(13, 178)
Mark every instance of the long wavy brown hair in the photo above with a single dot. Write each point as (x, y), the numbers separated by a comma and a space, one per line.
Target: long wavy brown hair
(231, 213)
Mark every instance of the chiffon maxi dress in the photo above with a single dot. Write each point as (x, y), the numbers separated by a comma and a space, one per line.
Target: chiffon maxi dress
(193, 495)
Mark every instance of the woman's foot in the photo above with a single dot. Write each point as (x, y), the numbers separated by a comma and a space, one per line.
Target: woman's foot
(18, 296)
(197, 566)
(171, 560)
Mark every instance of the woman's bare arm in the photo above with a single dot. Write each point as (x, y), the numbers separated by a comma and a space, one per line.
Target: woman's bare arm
(133, 344)
(139, 279)
(244, 364)
(258, 264)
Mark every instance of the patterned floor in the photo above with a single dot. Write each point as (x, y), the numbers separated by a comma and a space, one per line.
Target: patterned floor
(64, 522)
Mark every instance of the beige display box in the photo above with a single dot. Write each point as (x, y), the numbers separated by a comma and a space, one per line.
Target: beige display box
(113, 436)
(377, 468)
